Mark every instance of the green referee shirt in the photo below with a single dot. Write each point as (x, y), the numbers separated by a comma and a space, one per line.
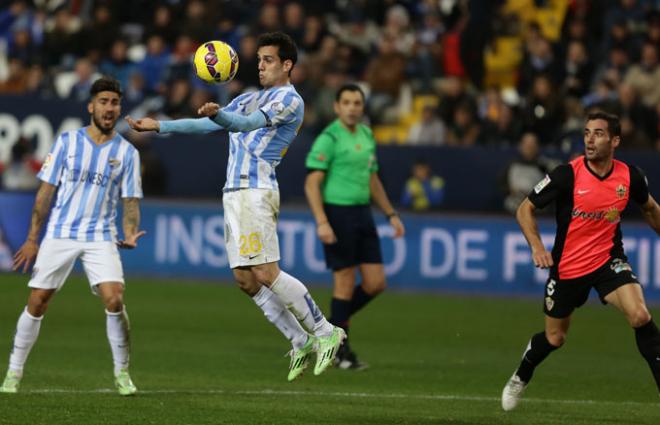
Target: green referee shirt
(348, 160)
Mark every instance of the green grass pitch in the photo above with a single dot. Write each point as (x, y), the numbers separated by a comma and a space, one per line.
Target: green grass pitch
(204, 354)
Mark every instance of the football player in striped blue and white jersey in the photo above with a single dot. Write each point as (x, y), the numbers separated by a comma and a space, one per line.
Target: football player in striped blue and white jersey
(261, 126)
(90, 169)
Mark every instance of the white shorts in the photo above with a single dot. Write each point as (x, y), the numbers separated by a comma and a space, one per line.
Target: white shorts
(56, 258)
(251, 226)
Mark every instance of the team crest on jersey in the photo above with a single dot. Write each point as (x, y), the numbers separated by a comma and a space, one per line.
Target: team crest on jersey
(612, 215)
(114, 162)
(621, 191)
(47, 162)
(543, 183)
(549, 303)
(277, 107)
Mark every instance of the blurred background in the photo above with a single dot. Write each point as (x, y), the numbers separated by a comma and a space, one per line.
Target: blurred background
(471, 102)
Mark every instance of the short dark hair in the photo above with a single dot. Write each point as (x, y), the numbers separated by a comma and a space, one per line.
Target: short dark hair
(349, 87)
(105, 83)
(286, 47)
(613, 123)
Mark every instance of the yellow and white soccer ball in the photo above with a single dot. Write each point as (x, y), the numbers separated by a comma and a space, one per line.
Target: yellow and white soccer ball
(215, 62)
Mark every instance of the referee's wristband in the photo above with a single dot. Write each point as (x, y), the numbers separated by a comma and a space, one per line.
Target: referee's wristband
(392, 214)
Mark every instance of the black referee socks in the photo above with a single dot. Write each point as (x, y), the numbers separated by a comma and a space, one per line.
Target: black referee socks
(648, 343)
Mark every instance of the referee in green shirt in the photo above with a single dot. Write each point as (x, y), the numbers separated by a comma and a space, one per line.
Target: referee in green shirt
(342, 180)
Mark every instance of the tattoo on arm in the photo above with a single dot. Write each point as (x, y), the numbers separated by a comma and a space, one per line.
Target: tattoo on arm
(131, 220)
(41, 209)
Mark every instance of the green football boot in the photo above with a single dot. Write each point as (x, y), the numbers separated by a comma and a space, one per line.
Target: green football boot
(300, 359)
(326, 349)
(124, 384)
(11, 383)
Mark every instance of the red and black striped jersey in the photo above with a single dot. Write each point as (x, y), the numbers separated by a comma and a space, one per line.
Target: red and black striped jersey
(588, 213)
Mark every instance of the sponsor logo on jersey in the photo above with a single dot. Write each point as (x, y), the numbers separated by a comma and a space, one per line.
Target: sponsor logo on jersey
(543, 183)
(621, 191)
(612, 215)
(593, 215)
(85, 176)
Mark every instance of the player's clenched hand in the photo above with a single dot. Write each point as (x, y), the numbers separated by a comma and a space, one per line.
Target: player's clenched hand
(326, 234)
(131, 241)
(143, 124)
(209, 109)
(542, 259)
(397, 225)
(25, 255)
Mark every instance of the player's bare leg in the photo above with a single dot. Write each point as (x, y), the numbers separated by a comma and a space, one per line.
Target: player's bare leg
(629, 299)
(118, 331)
(27, 332)
(538, 348)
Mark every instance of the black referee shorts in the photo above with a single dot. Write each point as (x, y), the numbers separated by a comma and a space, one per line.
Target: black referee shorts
(562, 296)
(357, 238)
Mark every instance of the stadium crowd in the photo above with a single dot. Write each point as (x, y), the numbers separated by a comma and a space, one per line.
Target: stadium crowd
(487, 72)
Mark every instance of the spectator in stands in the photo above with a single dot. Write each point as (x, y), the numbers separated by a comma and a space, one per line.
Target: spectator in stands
(61, 42)
(464, 129)
(452, 94)
(423, 190)
(197, 21)
(645, 76)
(544, 113)
(577, 71)
(539, 60)
(16, 81)
(84, 78)
(314, 32)
(522, 174)
(21, 172)
(117, 64)
(179, 67)
(153, 66)
(247, 73)
(430, 130)
(163, 25)
(503, 129)
(385, 74)
(269, 19)
(177, 104)
(642, 117)
(97, 36)
(294, 21)
(39, 83)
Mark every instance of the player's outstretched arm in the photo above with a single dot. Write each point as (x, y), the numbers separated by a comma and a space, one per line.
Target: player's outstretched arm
(380, 197)
(26, 254)
(143, 124)
(232, 121)
(131, 224)
(651, 212)
(527, 221)
(185, 126)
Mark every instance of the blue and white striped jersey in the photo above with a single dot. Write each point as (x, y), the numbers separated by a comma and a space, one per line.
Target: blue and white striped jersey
(254, 155)
(91, 178)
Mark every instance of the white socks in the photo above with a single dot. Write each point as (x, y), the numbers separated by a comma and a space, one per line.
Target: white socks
(277, 314)
(295, 297)
(118, 327)
(27, 331)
